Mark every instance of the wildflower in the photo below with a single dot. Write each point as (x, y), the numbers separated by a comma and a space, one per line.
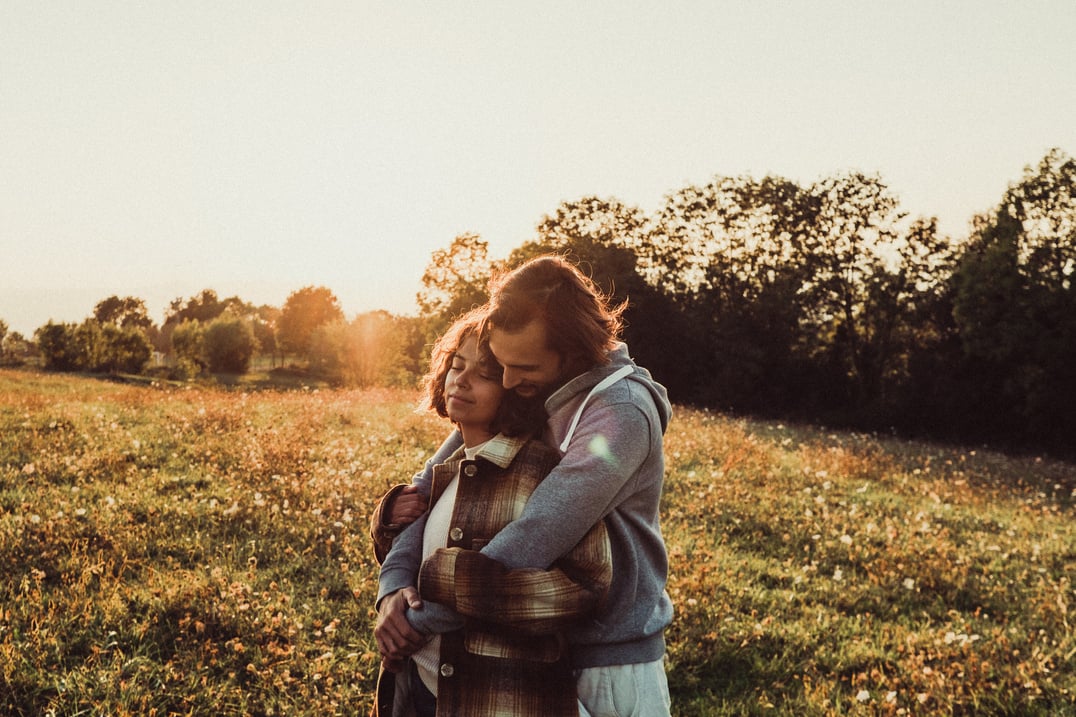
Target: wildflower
(909, 583)
(863, 696)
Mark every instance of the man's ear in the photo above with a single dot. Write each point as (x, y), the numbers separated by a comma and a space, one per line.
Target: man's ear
(573, 365)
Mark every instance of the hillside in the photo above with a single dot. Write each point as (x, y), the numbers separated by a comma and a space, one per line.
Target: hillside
(205, 551)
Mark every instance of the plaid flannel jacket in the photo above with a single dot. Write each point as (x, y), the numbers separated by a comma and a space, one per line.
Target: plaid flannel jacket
(511, 658)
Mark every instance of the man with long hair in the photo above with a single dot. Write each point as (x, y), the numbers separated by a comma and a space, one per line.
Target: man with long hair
(557, 337)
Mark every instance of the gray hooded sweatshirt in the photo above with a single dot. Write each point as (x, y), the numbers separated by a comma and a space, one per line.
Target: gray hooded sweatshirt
(608, 424)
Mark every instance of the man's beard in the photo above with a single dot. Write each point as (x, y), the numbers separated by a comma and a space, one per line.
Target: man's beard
(542, 393)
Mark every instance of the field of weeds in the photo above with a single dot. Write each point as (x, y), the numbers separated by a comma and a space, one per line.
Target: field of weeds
(204, 551)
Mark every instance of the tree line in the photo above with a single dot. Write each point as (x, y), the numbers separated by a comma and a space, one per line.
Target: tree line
(828, 303)
(761, 296)
(206, 335)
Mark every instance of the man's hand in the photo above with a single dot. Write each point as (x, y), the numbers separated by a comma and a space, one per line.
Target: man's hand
(407, 506)
(396, 639)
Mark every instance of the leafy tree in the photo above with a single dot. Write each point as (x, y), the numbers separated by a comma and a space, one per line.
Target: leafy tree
(304, 311)
(229, 344)
(370, 350)
(188, 345)
(90, 346)
(990, 302)
(602, 236)
(793, 298)
(1044, 202)
(455, 281)
(730, 256)
(203, 308)
(19, 346)
(3, 336)
(127, 349)
(869, 266)
(128, 314)
(128, 311)
(1015, 304)
(56, 343)
(735, 230)
(264, 322)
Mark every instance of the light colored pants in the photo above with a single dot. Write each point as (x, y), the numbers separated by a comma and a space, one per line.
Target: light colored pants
(624, 690)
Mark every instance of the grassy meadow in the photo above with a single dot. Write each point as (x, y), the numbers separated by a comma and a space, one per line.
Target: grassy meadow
(172, 550)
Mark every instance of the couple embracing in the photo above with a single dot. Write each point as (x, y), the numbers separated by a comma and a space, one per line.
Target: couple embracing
(523, 569)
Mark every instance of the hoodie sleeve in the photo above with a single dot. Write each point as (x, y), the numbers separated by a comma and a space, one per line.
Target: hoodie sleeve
(424, 478)
(400, 570)
(401, 565)
(383, 532)
(597, 473)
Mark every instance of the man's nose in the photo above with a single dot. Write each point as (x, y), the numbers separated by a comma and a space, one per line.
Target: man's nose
(510, 379)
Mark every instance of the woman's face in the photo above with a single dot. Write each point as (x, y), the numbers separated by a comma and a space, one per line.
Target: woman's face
(473, 392)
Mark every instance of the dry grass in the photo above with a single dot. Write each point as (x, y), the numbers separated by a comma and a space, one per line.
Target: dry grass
(199, 551)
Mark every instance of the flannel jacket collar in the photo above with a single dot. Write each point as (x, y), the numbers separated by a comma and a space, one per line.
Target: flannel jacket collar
(501, 450)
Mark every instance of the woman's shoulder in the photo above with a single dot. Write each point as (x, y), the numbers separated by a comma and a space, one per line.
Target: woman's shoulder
(535, 451)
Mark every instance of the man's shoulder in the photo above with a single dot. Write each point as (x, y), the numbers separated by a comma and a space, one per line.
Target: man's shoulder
(628, 390)
(619, 406)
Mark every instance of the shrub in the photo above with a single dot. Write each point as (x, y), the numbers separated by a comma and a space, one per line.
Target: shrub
(188, 343)
(229, 344)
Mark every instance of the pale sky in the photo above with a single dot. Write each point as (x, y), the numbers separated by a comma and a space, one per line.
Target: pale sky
(156, 149)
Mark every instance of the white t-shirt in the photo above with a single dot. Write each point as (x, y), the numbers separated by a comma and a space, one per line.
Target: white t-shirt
(428, 659)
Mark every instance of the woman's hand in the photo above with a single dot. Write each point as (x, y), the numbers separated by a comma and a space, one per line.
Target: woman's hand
(396, 639)
(407, 506)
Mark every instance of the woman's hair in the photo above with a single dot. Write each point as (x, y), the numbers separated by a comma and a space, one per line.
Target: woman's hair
(581, 324)
(516, 416)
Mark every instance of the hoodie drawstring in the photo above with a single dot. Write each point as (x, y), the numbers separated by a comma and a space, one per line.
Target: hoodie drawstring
(605, 383)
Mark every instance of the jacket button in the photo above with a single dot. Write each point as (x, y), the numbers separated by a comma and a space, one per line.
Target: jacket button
(470, 470)
(455, 534)
(447, 670)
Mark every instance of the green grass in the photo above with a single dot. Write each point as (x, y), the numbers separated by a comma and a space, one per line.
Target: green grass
(199, 550)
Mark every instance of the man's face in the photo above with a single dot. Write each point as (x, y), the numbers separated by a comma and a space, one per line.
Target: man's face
(530, 366)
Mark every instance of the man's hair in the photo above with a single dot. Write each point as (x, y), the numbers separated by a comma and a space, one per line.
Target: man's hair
(516, 416)
(581, 323)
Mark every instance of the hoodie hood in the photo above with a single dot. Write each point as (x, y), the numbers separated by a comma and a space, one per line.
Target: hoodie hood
(622, 367)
